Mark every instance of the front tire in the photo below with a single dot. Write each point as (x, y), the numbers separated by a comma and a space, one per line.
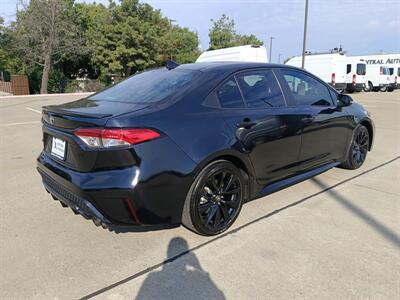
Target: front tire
(215, 199)
(358, 149)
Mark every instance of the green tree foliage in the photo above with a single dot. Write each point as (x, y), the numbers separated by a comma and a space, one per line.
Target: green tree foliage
(223, 35)
(132, 36)
(45, 32)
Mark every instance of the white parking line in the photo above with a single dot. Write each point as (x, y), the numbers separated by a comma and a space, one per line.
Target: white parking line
(34, 110)
(20, 123)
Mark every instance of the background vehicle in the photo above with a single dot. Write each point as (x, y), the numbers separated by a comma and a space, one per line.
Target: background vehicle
(330, 67)
(377, 78)
(385, 60)
(248, 53)
(191, 144)
(393, 79)
(355, 75)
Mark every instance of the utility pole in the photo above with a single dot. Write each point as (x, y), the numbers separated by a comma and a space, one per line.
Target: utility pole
(171, 21)
(270, 49)
(279, 58)
(303, 55)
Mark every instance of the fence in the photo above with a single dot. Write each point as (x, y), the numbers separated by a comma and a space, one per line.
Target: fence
(5, 87)
(18, 85)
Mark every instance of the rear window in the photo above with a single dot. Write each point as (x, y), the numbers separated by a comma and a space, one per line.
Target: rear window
(229, 95)
(348, 68)
(148, 87)
(260, 89)
(361, 69)
(391, 71)
(398, 71)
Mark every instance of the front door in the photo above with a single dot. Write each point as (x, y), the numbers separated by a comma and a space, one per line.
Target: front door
(324, 130)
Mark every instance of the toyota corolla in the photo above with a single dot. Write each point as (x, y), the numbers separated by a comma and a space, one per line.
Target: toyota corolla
(190, 144)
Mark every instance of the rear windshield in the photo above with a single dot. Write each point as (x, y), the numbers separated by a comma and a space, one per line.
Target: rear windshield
(361, 69)
(148, 87)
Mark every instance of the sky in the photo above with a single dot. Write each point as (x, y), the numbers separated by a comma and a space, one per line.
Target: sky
(360, 26)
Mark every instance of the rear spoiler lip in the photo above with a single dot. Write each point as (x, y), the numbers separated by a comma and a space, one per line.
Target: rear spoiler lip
(54, 109)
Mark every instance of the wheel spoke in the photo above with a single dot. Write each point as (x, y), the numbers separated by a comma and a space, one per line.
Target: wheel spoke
(204, 207)
(217, 219)
(232, 203)
(225, 213)
(233, 191)
(229, 183)
(211, 213)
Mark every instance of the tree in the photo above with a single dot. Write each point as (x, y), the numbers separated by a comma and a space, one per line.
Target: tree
(223, 35)
(46, 31)
(133, 36)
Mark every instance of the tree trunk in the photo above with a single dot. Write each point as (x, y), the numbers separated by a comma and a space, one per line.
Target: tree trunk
(45, 75)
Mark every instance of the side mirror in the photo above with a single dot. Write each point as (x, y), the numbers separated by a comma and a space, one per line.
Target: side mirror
(344, 100)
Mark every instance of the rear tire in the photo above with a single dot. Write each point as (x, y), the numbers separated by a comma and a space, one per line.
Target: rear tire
(358, 149)
(383, 89)
(368, 87)
(215, 199)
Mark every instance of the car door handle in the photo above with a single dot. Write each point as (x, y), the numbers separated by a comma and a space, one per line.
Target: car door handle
(246, 123)
(308, 119)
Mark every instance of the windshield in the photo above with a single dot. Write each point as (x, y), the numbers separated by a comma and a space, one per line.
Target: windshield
(148, 87)
(361, 69)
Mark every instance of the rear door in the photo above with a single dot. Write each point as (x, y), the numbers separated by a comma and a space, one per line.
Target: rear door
(253, 105)
(324, 125)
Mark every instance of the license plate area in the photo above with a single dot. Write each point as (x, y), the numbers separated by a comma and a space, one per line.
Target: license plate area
(58, 147)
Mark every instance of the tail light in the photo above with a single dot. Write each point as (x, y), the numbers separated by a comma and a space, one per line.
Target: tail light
(354, 79)
(395, 79)
(111, 138)
(333, 80)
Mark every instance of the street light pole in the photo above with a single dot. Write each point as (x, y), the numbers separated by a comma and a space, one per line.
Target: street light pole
(279, 58)
(270, 49)
(305, 35)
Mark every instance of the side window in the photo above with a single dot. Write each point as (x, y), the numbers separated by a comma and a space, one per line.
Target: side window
(260, 89)
(229, 95)
(307, 90)
(348, 68)
(398, 71)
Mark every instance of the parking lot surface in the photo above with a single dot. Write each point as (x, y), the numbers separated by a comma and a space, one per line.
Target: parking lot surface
(334, 236)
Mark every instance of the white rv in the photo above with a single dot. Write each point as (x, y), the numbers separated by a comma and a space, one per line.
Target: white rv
(330, 67)
(378, 80)
(248, 53)
(355, 75)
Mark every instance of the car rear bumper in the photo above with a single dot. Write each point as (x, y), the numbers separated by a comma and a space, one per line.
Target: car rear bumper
(150, 192)
(356, 87)
(339, 86)
(94, 195)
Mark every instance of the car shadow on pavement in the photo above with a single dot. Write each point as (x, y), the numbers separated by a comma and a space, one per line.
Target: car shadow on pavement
(386, 232)
(182, 278)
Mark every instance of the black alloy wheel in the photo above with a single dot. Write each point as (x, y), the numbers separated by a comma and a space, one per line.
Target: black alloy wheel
(359, 149)
(215, 199)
